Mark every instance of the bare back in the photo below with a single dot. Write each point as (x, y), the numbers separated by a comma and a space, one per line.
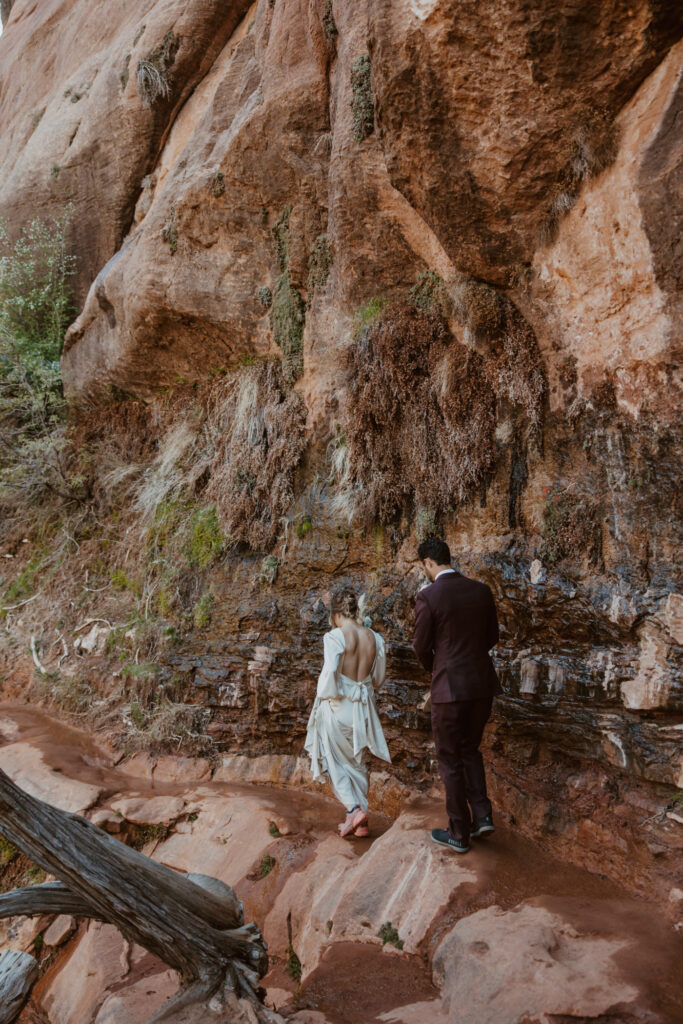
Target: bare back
(361, 649)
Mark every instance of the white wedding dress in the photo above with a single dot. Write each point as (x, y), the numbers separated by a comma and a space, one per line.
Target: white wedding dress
(344, 723)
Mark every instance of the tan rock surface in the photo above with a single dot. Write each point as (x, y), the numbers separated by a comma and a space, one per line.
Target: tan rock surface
(226, 840)
(137, 1002)
(154, 810)
(28, 769)
(495, 966)
(99, 960)
(59, 931)
(403, 878)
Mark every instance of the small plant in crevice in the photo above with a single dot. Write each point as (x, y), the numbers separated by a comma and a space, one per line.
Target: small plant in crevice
(169, 232)
(362, 103)
(153, 74)
(218, 184)
(142, 835)
(592, 143)
(267, 864)
(201, 612)
(293, 964)
(388, 934)
(270, 567)
(303, 527)
(265, 296)
(319, 265)
(274, 830)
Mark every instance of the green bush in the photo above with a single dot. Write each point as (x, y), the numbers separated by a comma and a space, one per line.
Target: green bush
(205, 542)
(35, 309)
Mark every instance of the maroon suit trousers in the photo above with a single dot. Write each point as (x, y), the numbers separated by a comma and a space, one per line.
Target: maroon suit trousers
(458, 727)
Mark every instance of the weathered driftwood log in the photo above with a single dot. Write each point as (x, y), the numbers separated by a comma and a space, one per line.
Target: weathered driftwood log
(186, 925)
(18, 971)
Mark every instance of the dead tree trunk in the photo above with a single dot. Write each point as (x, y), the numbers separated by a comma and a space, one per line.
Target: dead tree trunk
(192, 930)
(18, 971)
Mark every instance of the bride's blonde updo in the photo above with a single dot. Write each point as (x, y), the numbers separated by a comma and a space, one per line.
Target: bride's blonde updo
(345, 602)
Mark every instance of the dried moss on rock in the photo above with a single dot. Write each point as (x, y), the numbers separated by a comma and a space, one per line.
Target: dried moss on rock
(362, 102)
(571, 526)
(288, 309)
(153, 73)
(419, 422)
(592, 144)
(261, 424)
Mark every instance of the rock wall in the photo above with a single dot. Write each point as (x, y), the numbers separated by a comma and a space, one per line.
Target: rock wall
(305, 157)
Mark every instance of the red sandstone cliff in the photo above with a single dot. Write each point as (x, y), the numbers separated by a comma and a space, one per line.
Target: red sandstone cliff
(520, 162)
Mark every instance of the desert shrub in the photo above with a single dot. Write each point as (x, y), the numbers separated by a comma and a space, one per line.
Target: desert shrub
(592, 143)
(319, 265)
(362, 102)
(570, 526)
(153, 75)
(259, 424)
(35, 309)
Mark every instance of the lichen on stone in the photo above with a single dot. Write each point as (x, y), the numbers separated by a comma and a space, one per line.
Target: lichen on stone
(362, 102)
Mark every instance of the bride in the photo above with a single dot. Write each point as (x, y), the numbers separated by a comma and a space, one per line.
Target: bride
(344, 721)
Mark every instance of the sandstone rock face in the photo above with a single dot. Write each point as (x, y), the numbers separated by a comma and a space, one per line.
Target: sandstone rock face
(310, 157)
(506, 933)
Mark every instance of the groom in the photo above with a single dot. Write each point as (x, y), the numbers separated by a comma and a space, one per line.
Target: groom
(455, 628)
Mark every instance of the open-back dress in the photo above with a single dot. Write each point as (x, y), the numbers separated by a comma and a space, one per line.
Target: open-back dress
(344, 723)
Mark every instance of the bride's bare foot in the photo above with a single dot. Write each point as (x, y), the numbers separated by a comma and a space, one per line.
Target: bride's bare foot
(355, 819)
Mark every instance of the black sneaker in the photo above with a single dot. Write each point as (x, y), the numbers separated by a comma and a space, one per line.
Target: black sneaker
(443, 838)
(481, 827)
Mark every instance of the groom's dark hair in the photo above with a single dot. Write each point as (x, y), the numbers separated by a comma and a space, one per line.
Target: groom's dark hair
(436, 549)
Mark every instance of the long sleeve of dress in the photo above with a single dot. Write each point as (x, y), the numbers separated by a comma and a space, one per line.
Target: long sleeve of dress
(333, 650)
(379, 670)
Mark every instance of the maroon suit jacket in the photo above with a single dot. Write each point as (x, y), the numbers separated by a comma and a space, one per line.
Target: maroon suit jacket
(455, 628)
